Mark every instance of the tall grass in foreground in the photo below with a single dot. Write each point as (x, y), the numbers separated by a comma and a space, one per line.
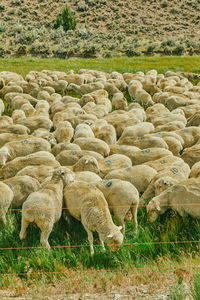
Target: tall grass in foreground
(168, 228)
(196, 286)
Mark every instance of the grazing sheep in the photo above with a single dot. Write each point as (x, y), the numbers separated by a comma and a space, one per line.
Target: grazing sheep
(15, 129)
(28, 109)
(190, 135)
(9, 137)
(177, 171)
(6, 200)
(2, 107)
(39, 158)
(5, 121)
(22, 187)
(138, 130)
(44, 207)
(144, 98)
(93, 144)
(163, 183)
(71, 157)
(42, 108)
(39, 172)
(144, 142)
(140, 176)
(15, 149)
(182, 197)
(107, 134)
(163, 162)
(195, 170)
(113, 162)
(122, 198)
(87, 204)
(45, 134)
(64, 132)
(191, 155)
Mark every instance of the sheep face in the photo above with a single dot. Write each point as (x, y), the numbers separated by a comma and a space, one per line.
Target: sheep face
(114, 240)
(162, 184)
(153, 210)
(65, 173)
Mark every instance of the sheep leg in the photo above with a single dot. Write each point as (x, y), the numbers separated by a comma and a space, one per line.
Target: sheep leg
(3, 219)
(134, 214)
(120, 222)
(102, 243)
(44, 238)
(24, 226)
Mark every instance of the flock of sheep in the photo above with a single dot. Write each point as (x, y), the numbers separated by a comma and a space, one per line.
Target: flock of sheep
(94, 156)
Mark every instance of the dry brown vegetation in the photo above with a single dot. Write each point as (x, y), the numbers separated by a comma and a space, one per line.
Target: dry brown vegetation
(131, 27)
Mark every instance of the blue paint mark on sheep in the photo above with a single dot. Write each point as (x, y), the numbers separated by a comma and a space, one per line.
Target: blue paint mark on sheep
(24, 142)
(146, 151)
(174, 170)
(108, 162)
(109, 183)
(163, 162)
(128, 169)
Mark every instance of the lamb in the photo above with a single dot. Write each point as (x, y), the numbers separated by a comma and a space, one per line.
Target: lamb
(140, 176)
(182, 197)
(44, 207)
(64, 132)
(6, 200)
(87, 204)
(15, 149)
(39, 158)
(93, 144)
(70, 157)
(83, 130)
(22, 187)
(113, 162)
(122, 198)
(38, 172)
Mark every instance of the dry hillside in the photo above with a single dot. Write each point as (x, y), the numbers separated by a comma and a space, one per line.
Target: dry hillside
(133, 26)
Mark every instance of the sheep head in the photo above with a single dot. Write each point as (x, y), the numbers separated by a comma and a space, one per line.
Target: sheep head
(153, 210)
(114, 239)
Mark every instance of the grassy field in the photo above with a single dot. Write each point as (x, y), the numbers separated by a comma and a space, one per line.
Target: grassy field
(121, 64)
(70, 249)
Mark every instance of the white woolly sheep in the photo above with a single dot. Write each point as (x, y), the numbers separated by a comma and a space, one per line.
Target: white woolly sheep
(44, 207)
(39, 172)
(113, 162)
(6, 200)
(122, 198)
(119, 101)
(93, 144)
(64, 132)
(87, 204)
(70, 157)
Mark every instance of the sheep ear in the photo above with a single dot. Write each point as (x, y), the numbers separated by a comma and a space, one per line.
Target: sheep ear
(110, 235)
(120, 227)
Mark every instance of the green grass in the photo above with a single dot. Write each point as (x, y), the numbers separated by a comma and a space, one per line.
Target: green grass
(120, 64)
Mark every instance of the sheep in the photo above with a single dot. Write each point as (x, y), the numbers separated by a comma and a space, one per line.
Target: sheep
(182, 197)
(194, 120)
(45, 134)
(28, 109)
(122, 198)
(22, 187)
(38, 158)
(133, 87)
(94, 96)
(113, 162)
(144, 142)
(15, 149)
(190, 135)
(6, 200)
(98, 110)
(178, 171)
(191, 155)
(42, 108)
(15, 129)
(195, 170)
(87, 176)
(107, 134)
(93, 144)
(163, 162)
(75, 78)
(2, 107)
(140, 176)
(36, 122)
(85, 88)
(44, 207)
(5, 121)
(171, 126)
(66, 115)
(87, 204)
(70, 157)
(39, 172)
(86, 163)
(10, 89)
(9, 137)
(83, 130)
(144, 98)
(64, 132)
(119, 101)
(163, 183)
(63, 146)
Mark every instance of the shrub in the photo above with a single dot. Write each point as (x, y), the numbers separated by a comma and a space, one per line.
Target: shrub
(66, 19)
